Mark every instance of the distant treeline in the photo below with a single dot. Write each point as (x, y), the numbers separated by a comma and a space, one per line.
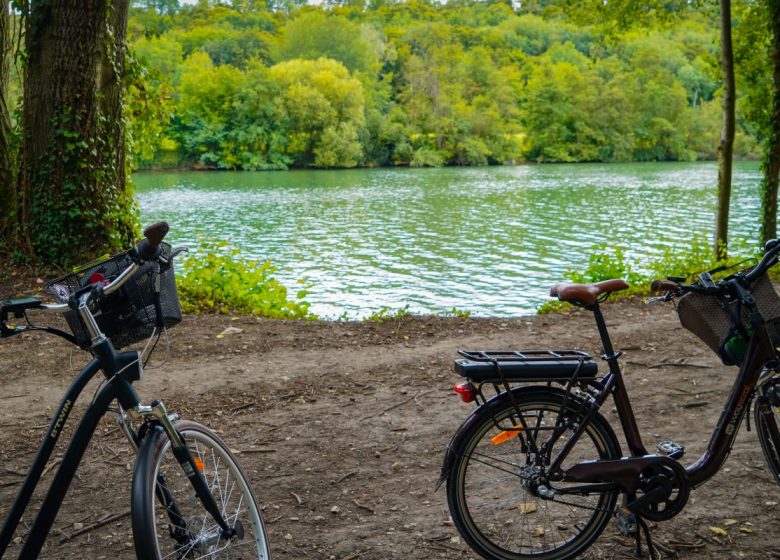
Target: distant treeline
(242, 86)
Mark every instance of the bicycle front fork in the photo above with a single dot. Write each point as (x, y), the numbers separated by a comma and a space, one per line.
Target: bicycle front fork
(159, 414)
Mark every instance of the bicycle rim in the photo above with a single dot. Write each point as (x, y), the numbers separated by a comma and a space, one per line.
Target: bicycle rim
(491, 502)
(231, 491)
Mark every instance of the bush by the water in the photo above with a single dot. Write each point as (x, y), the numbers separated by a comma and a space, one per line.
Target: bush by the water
(217, 279)
(607, 262)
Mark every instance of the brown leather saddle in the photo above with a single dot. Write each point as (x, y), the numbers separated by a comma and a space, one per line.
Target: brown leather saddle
(586, 294)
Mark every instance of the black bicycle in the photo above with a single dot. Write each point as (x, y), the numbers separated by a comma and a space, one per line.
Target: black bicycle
(536, 471)
(190, 498)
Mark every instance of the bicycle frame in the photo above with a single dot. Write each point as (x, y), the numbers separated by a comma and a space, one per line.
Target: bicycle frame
(760, 351)
(121, 369)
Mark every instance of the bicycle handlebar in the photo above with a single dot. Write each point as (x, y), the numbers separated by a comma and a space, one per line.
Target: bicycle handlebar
(769, 260)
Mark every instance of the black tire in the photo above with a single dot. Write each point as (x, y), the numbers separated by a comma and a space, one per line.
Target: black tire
(496, 513)
(768, 422)
(152, 526)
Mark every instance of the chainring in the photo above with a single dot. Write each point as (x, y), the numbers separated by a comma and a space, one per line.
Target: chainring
(672, 478)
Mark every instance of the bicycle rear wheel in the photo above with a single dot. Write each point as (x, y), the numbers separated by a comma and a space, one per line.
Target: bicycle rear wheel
(169, 521)
(491, 488)
(768, 429)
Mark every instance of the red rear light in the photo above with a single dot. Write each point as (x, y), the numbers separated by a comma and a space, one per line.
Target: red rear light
(96, 277)
(467, 391)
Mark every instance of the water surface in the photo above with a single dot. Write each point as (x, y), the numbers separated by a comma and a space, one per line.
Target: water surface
(489, 240)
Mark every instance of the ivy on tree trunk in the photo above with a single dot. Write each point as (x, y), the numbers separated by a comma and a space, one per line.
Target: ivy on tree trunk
(74, 201)
(7, 190)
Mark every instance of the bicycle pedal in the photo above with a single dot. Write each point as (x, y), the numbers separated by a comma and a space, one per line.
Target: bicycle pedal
(671, 449)
(626, 522)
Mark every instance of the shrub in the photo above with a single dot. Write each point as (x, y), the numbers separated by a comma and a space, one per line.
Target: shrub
(608, 262)
(217, 279)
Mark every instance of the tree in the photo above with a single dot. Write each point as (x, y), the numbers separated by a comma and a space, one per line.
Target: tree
(314, 35)
(74, 199)
(322, 108)
(624, 14)
(771, 160)
(7, 190)
(726, 147)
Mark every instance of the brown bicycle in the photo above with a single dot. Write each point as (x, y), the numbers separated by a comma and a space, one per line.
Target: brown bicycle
(540, 446)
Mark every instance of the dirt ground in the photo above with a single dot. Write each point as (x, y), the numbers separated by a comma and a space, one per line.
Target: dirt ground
(357, 416)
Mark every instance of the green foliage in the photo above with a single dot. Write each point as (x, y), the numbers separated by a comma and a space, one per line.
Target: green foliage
(314, 35)
(431, 84)
(217, 279)
(606, 263)
(387, 314)
(457, 313)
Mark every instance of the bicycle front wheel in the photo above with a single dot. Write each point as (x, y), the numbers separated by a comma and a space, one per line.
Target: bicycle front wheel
(768, 430)
(493, 486)
(169, 521)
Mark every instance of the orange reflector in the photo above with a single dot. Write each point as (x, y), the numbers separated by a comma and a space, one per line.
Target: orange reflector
(198, 463)
(505, 435)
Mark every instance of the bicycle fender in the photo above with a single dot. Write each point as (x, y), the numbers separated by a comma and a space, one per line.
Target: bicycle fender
(498, 401)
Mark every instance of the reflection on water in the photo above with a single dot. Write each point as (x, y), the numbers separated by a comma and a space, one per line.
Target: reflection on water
(487, 240)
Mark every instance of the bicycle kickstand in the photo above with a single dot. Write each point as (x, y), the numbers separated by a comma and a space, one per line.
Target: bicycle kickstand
(642, 527)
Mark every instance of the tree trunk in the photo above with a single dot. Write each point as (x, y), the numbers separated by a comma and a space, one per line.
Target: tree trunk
(726, 147)
(771, 159)
(74, 198)
(7, 185)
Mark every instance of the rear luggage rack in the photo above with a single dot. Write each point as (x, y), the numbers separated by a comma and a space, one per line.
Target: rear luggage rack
(525, 365)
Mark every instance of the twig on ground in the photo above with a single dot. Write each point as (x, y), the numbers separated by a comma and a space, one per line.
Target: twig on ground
(50, 467)
(344, 477)
(695, 404)
(95, 525)
(396, 405)
(242, 407)
(678, 364)
(361, 506)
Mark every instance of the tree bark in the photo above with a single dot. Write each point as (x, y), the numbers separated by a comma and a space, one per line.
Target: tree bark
(74, 198)
(726, 147)
(771, 159)
(7, 184)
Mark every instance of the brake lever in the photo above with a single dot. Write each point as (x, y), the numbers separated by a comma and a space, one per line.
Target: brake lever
(178, 251)
(666, 297)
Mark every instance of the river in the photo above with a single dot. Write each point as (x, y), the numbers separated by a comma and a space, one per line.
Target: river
(489, 240)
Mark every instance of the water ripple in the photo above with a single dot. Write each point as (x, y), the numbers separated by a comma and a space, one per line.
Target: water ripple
(488, 240)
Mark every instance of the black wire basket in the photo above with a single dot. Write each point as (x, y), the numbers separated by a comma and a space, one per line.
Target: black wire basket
(713, 320)
(130, 314)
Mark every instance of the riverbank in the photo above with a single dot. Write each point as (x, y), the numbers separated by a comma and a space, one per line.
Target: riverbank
(342, 427)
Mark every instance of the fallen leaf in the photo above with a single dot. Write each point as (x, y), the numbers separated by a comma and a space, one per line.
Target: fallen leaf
(539, 531)
(527, 507)
(745, 530)
(229, 330)
(730, 522)
(718, 531)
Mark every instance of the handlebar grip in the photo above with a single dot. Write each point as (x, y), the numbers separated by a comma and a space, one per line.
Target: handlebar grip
(149, 247)
(663, 286)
